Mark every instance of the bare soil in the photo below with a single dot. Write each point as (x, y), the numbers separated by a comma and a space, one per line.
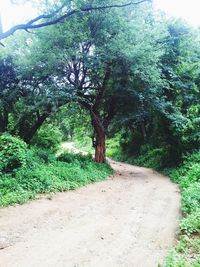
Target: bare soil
(129, 220)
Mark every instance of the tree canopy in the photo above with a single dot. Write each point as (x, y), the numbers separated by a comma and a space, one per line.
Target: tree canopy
(124, 63)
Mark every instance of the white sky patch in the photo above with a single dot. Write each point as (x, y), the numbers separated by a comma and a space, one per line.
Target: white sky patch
(186, 9)
(189, 10)
(15, 14)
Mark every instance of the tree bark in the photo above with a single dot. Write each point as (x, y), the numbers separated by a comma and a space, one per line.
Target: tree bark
(32, 131)
(4, 122)
(143, 131)
(100, 138)
(100, 148)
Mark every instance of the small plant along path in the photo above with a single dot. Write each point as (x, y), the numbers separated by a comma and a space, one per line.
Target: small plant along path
(129, 220)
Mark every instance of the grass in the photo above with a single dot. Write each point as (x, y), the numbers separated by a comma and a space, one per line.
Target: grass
(44, 173)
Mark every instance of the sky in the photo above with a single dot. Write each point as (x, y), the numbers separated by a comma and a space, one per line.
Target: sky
(14, 14)
(186, 9)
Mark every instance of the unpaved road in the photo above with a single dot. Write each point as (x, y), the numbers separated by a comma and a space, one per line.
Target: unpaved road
(129, 220)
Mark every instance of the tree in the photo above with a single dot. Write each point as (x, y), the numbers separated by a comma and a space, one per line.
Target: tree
(168, 117)
(28, 97)
(96, 58)
(9, 91)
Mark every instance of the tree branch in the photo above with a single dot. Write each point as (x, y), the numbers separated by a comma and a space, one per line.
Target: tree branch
(36, 22)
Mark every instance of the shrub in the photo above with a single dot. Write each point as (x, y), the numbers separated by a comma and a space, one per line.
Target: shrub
(42, 155)
(191, 176)
(113, 148)
(36, 180)
(188, 177)
(154, 158)
(66, 157)
(191, 198)
(191, 224)
(12, 153)
(175, 260)
(70, 158)
(40, 177)
(189, 172)
(48, 137)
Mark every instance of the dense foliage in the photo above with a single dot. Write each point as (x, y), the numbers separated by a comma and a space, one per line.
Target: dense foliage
(48, 137)
(12, 153)
(187, 250)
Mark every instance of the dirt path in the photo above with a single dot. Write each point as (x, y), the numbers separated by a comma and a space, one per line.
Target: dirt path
(129, 220)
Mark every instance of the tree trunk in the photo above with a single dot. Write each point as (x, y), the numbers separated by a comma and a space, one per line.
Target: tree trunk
(4, 121)
(32, 131)
(99, 141)
(143, 131)
(100, 148)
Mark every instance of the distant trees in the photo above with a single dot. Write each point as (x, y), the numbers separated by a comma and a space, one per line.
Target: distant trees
(170, 117)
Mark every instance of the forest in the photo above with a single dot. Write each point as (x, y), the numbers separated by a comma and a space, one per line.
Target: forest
(119, 80)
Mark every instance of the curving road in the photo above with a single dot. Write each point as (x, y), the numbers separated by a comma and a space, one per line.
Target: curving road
(129, 220)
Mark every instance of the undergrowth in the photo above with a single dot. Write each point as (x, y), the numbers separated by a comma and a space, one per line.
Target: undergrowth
(45, 173)
(187, 251)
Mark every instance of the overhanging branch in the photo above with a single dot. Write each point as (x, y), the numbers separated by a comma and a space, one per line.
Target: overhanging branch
(36, 22)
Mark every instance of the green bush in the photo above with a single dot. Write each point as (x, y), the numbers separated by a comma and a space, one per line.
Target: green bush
(44, 176)
(41, 155)
(175, 260)
(70, 158)
(188, 177)
(66, 157)
(113, 148)
(191, 198)
(191, 175)
(12, 153)
(189, 172)
(154, 158)
(48, 137)
(191, 224)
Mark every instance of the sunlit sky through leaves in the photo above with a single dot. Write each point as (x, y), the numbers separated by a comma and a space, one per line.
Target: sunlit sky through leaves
(186, 9)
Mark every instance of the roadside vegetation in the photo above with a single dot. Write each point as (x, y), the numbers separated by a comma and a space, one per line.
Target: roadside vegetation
(27, 172)
(187, 175)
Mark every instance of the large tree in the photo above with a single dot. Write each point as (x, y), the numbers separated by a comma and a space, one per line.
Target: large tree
(101, 57)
